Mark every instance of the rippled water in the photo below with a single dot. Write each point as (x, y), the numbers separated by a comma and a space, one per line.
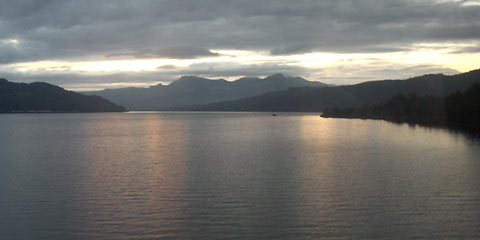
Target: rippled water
(233, 176)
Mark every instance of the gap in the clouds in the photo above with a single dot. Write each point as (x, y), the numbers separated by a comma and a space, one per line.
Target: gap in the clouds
(331, 68)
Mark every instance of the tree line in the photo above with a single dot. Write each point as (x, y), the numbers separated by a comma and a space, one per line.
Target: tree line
(457, 109)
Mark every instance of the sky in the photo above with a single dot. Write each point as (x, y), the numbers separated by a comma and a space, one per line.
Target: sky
(91, 45)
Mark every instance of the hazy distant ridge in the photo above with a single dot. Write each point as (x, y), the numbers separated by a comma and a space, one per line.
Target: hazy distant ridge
(190, 90)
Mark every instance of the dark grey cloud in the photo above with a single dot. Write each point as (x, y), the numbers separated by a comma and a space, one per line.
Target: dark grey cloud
(60, 29)
(167, 67)
(298, 49)
(177, 52)
(471, 49)
(73, 80)
(233, 69)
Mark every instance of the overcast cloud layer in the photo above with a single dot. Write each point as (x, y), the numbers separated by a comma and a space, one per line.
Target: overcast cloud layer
(91, 30)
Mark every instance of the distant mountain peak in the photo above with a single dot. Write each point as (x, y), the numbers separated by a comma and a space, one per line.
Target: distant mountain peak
(276, 76)
(187, 80)
(246, 79)
(3, 80)
(190, 78)
(193, 82)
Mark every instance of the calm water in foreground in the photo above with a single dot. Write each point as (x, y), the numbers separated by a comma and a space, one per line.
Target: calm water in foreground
(233, 176)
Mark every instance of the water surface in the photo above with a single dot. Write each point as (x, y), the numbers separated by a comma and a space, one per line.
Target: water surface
(233, 176)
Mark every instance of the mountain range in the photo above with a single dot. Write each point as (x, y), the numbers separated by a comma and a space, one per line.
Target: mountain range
(315, 99)
(189, 90)
(44, 97)
(273, 93)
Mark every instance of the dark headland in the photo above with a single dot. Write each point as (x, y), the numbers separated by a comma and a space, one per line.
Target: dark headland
(460, 109)
(44, 97)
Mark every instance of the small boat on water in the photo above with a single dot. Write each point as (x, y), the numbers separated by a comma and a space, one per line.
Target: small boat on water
(274, 115)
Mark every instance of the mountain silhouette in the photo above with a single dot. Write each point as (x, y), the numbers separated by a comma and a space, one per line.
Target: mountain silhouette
(315, 99)
(190, 90)
(44, 97)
